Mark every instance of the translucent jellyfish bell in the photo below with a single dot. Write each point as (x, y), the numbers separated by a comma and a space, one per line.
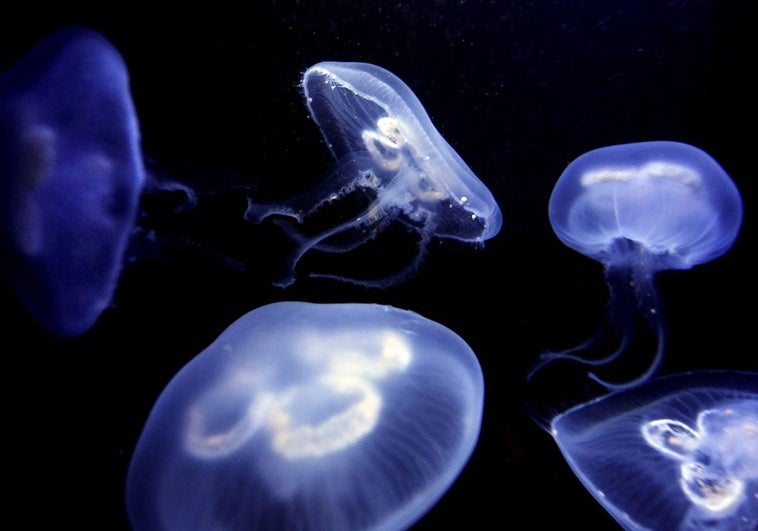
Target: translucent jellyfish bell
(638, 209)
(71, 174)
(679, 452)
(309, 416)
(385, 145)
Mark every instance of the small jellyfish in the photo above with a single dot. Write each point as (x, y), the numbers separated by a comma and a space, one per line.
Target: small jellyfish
(678, 452)
(309, 416)
(638, 209)
(71, 174)
(386, 148)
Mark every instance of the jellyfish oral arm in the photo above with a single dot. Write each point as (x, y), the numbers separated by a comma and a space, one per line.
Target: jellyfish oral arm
(635, 313)
(398, 198)
(348, 175)
(636, 321)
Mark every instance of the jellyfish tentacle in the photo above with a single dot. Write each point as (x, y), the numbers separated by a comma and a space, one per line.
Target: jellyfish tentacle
(633, 300)
(350, 174)
(621, 317)
(363, 232)
(366, 219)
(380, 213)
(572, 354)
(634, 296)
(388, 280)
(649, 372)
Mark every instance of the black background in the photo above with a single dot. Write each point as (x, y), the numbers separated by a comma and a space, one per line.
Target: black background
(518, 88)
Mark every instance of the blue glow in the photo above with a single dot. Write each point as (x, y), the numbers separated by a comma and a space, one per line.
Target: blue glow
(638, 209)
(71, 176)
(679, 452)
(317, 416)
(384, 144)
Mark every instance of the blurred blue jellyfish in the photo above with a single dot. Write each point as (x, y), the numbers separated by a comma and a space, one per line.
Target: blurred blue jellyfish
(679, 452)
(309, 416)
(640, 208)
(71, 174)
(387, 148)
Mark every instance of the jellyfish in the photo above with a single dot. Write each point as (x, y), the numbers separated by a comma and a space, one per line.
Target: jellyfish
(309, 416)
(677, 452)
(71, 173)
(638, 209)
(388, 152)
(75, 181)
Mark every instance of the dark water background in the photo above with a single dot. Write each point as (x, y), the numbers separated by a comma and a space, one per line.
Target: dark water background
(518, 88)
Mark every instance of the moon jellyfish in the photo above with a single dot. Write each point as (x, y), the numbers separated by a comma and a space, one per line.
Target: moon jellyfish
(389, 153)
(309, 416)
(679, 452)
(638, 209)
(71, 174)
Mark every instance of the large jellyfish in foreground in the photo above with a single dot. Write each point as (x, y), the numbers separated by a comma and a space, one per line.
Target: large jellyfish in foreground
(71, 174)
(386, 147)
(678, 452)
(638, 209)
(309, 416)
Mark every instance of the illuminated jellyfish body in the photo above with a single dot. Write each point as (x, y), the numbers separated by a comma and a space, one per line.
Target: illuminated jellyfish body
(309, 416)
(386, 146)
(638, 209)
(71, 174)
(679, 452)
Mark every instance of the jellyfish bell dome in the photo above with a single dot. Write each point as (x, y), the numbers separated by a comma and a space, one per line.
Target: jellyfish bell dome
(669, 201)
(79, 199)
(71, 174)
(309, 416)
